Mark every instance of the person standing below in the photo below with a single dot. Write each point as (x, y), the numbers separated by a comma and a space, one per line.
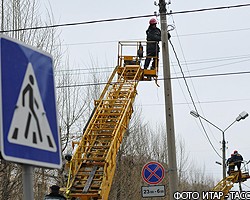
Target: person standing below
(54, 194)
(153, 49)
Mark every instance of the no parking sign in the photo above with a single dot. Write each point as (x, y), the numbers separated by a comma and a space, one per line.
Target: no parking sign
(153, 173)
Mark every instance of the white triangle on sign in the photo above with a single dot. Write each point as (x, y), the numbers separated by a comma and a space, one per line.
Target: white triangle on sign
(30, 126)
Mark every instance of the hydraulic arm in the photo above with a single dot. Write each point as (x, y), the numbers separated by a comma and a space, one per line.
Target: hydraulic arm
(92, 166)
(226, 184)
(234, 177)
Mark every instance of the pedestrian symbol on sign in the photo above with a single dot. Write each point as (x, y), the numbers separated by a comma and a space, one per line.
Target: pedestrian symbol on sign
(36, 131)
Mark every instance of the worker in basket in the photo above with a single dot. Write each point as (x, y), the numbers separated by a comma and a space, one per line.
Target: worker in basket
(153, 38)
(230, 164)
(235, 160)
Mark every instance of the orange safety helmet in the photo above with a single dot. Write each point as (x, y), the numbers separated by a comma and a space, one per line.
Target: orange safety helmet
(152, 21)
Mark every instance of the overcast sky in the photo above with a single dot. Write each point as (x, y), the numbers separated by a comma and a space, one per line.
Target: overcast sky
(207, 43)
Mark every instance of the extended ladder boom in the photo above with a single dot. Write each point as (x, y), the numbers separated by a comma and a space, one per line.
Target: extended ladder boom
(93, 164)
(227, 183)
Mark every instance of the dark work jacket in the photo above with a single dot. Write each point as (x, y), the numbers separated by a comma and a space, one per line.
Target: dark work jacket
(237, 158)
(153, 34)
(230, 160)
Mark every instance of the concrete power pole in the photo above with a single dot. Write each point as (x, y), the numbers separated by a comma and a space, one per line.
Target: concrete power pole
(172, 166)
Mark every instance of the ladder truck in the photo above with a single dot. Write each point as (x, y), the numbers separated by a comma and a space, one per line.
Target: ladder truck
(92, 166)
(226, 184)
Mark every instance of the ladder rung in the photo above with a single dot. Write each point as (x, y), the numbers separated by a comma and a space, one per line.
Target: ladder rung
(109, 114)
(102, 129)
(96, 159)
(97, 147)
(90, 179)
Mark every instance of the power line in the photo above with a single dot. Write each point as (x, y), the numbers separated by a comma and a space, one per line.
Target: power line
(221, 65)
(138, 39)
(218, 59)
(192, 84)
(78, 71)
(79, 23)
(201, 102)
(192, 100)
(181, 35)
(209, 9)
(178, 61)
(87, 43)
(124, 18)
(214, 75)
(214, 32)
(81, 85)
(161, 79)
(245, 185)
(185, 63)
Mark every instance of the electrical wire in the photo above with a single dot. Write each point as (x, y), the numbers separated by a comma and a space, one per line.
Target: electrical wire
(124, 18)
(161, 79)
(79, 23)
(192, 100)
(182, 90)
(138, 39)
(80, 85)
(214, 32)
(185, 62)
(245, 185)
(79, 71)
(202, 102)
(221, 65)
(209, 9)
(213, 75)
(204, 75)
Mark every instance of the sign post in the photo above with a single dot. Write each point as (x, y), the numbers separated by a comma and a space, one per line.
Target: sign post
(28, 116)
(27, 182)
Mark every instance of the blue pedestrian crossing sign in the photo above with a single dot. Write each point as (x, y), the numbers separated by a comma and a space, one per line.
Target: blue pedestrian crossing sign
(28, 114)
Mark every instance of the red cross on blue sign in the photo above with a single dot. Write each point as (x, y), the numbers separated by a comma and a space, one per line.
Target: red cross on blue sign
(153, 173)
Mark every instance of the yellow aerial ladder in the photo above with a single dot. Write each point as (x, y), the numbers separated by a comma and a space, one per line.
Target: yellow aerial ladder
(227, 183)
(92, 166)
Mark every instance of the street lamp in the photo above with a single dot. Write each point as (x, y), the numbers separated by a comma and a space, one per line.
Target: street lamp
(241, 116)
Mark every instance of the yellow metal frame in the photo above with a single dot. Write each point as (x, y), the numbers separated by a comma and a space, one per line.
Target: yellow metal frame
(227, 183)
(92, 167)
(134, 46)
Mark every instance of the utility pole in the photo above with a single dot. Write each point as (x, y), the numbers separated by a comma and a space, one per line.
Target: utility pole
(223, 155)
(172, 166)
